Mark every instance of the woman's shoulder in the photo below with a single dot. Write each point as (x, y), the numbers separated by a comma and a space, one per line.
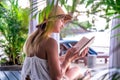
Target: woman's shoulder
(51, 42)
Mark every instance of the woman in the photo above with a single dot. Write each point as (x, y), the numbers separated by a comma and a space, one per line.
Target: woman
(42, 61)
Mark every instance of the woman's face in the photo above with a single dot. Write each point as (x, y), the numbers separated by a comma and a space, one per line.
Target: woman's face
(59, 24)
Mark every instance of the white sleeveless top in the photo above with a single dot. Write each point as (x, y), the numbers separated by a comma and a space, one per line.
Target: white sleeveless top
(36, 68)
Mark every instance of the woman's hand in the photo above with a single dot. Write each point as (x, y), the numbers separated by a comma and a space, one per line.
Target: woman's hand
(61, 58)
(73, 54)
(85, 51)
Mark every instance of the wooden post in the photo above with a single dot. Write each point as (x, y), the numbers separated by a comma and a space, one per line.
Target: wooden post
(33, 22)
(115, 45)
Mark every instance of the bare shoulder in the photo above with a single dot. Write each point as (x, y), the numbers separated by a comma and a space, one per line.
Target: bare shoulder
(51, 43)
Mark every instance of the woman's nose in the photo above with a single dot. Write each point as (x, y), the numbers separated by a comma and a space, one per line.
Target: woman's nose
(62, 24)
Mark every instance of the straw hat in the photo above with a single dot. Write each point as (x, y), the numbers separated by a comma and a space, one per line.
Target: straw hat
(57, 11)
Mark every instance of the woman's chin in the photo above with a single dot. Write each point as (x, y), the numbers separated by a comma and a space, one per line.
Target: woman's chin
(56, 32)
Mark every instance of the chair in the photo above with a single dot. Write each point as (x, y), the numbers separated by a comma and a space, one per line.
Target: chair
(103, 55)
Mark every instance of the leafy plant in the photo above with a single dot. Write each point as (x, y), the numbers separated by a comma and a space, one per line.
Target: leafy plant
(106, 9)
(13, 26)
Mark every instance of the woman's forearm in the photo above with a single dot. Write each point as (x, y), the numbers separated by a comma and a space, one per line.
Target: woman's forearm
(65, 65)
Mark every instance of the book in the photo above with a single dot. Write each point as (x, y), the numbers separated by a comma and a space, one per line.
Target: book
(83, 43)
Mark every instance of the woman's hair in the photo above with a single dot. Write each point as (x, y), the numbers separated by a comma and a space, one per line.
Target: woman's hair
(36, 38)
(43, 31)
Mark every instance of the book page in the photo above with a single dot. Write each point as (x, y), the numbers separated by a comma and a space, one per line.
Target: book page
(83, 43)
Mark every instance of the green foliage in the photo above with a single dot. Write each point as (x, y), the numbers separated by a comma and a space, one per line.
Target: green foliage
(42, 13)
(74, 27)
(86, 24)
(13, 26)
(68, 29)
(108, 8)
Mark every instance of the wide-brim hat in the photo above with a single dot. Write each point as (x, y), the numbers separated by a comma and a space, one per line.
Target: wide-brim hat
(58, 12)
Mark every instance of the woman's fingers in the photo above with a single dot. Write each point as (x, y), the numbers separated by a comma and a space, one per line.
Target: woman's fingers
(73, 53)
(84, 52)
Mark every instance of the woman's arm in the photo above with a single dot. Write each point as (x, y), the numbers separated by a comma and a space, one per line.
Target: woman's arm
(71, 54)
(56, 70)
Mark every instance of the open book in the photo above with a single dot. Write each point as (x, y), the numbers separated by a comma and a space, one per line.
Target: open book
(83, 43)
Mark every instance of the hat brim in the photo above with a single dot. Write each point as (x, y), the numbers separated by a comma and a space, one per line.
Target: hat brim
(67, 18)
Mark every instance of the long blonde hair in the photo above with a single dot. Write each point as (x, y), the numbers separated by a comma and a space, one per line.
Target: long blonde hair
(42, 33)
(36, 38)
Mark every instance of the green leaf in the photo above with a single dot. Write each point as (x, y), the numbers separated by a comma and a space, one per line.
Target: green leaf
(40, 18)
(89, 2)
(117, 26)
(74, 5)
(82, 1)
(118, 16)
(48, 9)
(3, 60)
(95, 7)
(62, 1)
(86, 24)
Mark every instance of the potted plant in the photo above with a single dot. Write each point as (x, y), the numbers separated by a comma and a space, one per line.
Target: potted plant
(14, 29)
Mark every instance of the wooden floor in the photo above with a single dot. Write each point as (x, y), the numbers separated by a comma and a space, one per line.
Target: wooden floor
(10, 75)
